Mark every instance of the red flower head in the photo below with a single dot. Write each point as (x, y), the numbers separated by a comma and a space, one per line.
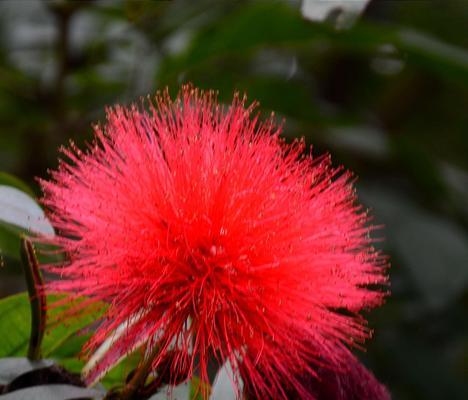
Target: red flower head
(203, 230)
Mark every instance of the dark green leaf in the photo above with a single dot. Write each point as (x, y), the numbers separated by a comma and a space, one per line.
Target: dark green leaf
(10, 241)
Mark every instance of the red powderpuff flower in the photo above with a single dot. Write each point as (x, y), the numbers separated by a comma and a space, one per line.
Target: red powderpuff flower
(204, 231)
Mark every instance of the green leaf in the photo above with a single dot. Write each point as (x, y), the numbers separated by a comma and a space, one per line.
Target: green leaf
(15, 314)
(10, 241)
(14, 319)
(118, 374)
(59, 330)
(62, 341)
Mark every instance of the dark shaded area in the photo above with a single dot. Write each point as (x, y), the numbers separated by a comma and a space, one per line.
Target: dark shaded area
(43, 376)
(386, 97)
(352, 382)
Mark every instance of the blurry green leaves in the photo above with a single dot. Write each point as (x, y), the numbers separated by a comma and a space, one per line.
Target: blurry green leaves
(252, 28)
(434, 249)
(439, 57)
(261, 25)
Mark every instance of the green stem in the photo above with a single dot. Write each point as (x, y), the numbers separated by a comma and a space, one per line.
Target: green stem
(37, 299)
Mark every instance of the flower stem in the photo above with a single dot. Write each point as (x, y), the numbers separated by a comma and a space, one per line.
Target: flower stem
(37, 299)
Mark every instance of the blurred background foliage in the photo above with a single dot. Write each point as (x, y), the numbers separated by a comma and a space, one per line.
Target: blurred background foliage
(387, 97)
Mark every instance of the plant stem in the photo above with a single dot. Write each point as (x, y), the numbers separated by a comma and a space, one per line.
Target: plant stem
(37, 299)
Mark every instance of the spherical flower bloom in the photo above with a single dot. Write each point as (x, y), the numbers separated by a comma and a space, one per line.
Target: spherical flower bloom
(206, 232)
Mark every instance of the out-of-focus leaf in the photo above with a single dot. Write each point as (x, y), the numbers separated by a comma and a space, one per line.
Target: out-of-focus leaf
(419, 164)
(262, 25)
(440, 57)
(456, 180)
(19, 209)
(12, 367)
(252, 27)
(362, 140)
(419, 366)
(434, 249)
(286, 98)
(11, 180)
(53, 392)
(10, 241)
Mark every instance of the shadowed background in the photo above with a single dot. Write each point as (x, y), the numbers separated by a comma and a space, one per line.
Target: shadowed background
(387, 97)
